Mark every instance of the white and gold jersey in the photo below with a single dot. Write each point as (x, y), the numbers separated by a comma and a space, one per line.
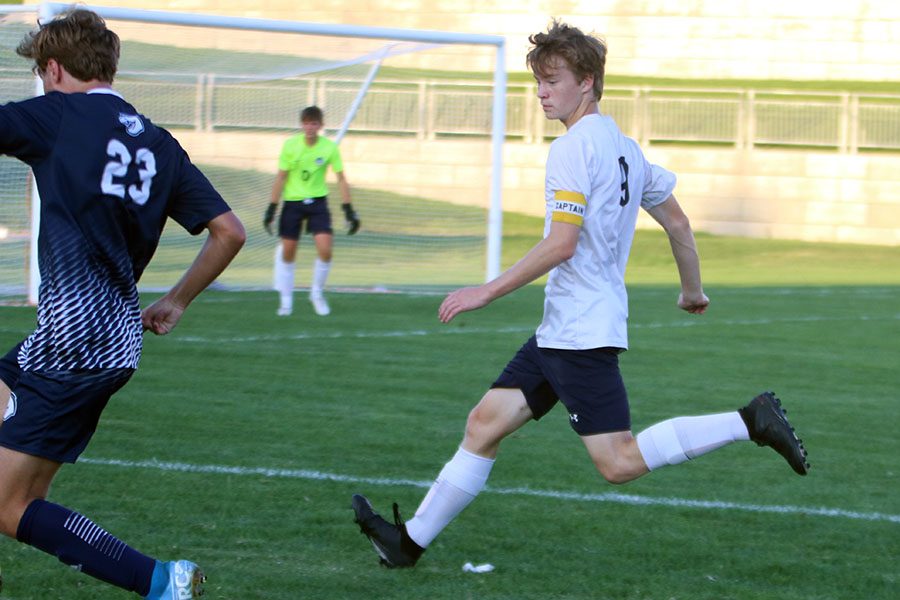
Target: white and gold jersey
(597, 178)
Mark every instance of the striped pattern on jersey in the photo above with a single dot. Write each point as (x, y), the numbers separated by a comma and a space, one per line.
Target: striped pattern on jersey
(89, 313)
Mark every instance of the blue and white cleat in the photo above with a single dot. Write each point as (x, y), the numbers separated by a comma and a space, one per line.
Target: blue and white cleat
(185, 581)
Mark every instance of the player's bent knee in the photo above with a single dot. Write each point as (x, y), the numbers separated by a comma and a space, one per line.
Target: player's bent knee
(619, 469)
(478, 423)
(614, 474)
(9, 520)
(483, 429)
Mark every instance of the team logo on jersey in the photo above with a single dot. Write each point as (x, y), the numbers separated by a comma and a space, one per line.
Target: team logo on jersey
(320, 161)
(10, 407)
(134, 126)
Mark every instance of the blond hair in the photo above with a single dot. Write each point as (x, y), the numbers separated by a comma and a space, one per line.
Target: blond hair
(584, 54)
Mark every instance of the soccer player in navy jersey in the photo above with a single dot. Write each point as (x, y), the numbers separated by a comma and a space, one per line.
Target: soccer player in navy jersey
(108, 180)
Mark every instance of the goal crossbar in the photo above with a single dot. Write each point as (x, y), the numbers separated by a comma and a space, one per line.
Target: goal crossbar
(494, 217)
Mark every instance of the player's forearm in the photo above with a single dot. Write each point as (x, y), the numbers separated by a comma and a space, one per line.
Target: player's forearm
(687, 259)
(344, 188)
(226, 237)
(540, 260)
(276, 195)
(681, 238)
(278, 188)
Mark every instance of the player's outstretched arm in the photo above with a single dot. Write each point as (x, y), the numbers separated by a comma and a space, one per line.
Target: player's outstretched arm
(681, 238)
(558, 246)
(226, 236)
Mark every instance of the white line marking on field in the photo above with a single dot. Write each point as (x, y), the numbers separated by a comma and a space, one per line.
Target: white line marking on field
(691, 322)
(558, 495)
(637, 289)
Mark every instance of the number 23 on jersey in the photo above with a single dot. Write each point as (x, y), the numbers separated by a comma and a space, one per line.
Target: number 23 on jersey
(117, 169)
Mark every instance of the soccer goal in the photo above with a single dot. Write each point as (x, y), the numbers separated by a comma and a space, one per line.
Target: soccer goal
(419, 116)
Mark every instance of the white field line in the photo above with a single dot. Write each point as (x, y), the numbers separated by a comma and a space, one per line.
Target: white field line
(690, 322)
(613, 497)
(869, 291)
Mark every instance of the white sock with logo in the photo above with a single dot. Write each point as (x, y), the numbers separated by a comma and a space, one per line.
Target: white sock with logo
(456, 486)
(284, 279)
(677, 440)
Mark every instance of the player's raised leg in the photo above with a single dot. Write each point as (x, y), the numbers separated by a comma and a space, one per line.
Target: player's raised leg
(676, 440)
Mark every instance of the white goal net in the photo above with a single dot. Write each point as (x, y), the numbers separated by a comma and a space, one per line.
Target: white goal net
(16, 83)
(415, 114)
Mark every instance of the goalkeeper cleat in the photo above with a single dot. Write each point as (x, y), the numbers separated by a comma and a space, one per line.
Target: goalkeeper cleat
(391, 542)
(320, 305)
(284, 311)
(185, 581)
(768, 426)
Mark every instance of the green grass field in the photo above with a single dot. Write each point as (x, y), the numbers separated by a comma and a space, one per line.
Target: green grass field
(242, 437)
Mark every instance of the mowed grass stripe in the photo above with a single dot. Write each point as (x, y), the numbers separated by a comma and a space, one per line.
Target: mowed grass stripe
(332, 335)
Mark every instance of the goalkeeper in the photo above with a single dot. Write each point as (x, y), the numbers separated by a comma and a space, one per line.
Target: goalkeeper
(300, 182)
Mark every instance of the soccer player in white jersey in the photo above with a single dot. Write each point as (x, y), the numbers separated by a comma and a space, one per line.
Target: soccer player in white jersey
(596, 181)
(109, 179)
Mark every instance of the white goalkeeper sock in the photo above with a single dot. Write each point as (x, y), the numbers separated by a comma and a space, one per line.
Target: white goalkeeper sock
(456, 486)
(677, 440)
(284, 280)
(320, 275)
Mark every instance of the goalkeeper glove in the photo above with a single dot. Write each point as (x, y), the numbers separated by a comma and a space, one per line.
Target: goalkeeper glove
(351, 218)
(270, 216)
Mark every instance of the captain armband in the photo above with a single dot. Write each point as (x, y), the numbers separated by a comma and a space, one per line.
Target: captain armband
(568, 207)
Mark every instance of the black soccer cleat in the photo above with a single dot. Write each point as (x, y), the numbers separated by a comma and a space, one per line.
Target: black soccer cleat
(391, 542)
(768, 426)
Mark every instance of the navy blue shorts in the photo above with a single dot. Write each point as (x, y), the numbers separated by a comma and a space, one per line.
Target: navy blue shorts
(588, 383)
(53, 414)
(9, 367)
(314, 211)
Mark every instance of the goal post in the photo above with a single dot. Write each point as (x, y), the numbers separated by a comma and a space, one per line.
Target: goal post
(420, 117)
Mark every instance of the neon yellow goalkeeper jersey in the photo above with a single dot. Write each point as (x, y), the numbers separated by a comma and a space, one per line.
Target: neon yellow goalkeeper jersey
(307, 165)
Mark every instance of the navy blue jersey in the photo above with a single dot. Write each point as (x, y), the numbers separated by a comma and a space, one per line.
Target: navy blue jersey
(108, 179)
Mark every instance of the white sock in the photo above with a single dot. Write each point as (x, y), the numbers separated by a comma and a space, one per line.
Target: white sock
(320, 274)
(279, 267)
(284, 279)
(459, 482)
(677, 440)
